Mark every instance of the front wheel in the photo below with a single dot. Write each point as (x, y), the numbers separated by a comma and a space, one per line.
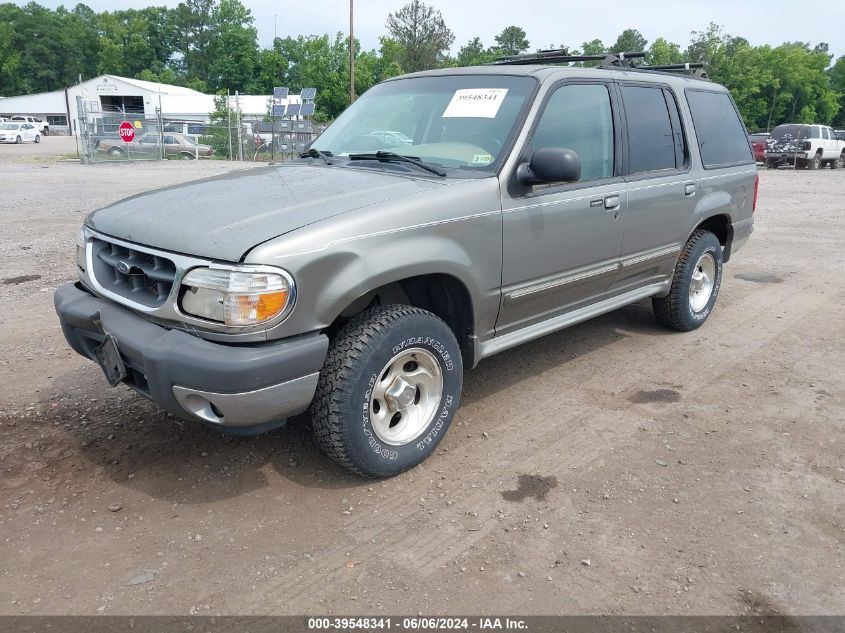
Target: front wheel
(388, 391)
(695, 286)
(37, 138)
(18, 140)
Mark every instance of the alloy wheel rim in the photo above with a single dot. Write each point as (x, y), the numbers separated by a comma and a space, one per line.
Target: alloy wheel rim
(406, 396)
(702, 283)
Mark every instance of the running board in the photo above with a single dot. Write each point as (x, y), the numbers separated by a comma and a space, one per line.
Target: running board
(523, 335)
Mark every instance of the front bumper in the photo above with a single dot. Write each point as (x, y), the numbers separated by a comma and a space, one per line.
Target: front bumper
(233, 386)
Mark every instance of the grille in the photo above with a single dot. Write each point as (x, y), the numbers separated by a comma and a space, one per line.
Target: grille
(138, 276)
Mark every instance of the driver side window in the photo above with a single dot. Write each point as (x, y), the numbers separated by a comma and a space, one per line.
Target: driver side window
(579, 117)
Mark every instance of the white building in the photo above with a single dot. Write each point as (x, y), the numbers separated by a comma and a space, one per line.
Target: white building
(109, 93)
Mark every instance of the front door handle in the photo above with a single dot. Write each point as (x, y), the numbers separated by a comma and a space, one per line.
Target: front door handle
(689, 190)
(611, 203)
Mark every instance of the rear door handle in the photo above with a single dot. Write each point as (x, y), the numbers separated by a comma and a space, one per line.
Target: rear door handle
(611, 203)
(689, 189)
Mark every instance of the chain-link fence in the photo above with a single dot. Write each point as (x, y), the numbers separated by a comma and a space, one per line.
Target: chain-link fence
(133, 136)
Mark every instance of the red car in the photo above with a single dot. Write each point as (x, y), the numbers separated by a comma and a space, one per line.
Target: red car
(759, 143)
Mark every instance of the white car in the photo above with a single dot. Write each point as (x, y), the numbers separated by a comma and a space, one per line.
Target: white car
(40, 125)
(805, 146)
(16, 132)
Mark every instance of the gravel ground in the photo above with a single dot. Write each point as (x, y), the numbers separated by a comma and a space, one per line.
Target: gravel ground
(614, 467)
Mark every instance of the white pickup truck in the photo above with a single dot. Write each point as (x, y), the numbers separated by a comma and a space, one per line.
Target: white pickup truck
(41, 126)
(805, 146)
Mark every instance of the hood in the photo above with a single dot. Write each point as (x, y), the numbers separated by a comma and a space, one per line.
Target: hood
(225, 216)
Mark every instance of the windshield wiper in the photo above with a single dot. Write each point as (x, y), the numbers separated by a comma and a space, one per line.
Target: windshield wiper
(316, 153)
(392, 157)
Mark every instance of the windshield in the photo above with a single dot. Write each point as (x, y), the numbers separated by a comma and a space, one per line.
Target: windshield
(457, 121)
(10, 126)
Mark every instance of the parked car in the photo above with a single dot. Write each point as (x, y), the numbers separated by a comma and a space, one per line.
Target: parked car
(759, 144)
(360, 284)
(189, 129)
(805, 146)
(392, 138)
(17, 132)
(175, 145)
(42, 126)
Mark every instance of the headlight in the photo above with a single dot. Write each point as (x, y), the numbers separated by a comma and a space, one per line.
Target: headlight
(80, 249)
(239, 296)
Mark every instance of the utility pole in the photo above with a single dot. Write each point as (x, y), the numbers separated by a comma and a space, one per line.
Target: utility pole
(351, 55)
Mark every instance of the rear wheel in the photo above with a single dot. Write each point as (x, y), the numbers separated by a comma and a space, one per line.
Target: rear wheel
(695, 285)
(37, 138)
(838, 163)
(18, 140)
(815, 162)
(388, 390)
(186, 155)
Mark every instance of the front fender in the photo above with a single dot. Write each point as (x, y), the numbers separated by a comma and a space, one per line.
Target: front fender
(455, 230)
(354, 274)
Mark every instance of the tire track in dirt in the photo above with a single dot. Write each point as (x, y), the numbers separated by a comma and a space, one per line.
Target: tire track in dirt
(414, 548)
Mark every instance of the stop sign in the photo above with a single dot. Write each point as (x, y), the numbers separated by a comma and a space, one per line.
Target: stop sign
(127, 132)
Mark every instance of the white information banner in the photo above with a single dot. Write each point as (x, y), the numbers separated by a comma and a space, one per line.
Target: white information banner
(478, 103)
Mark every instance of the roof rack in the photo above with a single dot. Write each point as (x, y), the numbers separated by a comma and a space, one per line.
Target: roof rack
(696, 69)
(608, 61)
(561, 55)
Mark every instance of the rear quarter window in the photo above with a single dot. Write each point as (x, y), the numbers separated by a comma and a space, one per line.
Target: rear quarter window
(722, 139)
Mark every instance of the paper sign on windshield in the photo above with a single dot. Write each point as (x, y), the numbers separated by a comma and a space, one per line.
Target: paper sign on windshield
(480, 103)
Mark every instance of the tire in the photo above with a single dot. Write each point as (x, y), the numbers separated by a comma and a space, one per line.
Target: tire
(366, 360)
(37, 138)
(18, 141)
(186, 155)
(115, 151)
(838, 162)
(815, 162)
(46, 131)
(700, 264)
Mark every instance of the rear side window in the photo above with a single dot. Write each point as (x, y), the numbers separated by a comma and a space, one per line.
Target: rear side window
(721, 136)
(651, 140)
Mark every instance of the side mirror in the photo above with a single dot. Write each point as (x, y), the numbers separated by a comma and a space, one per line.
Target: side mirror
(550, 164)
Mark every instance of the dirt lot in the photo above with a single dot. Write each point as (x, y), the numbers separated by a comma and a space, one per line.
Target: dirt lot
(611, 468)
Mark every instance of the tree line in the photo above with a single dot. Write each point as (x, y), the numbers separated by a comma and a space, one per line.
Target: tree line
(212, 46)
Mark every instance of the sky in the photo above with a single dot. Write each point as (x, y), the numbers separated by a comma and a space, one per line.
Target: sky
(551, 22)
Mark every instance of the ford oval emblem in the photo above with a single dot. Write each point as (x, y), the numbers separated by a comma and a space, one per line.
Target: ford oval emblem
(122, 267)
